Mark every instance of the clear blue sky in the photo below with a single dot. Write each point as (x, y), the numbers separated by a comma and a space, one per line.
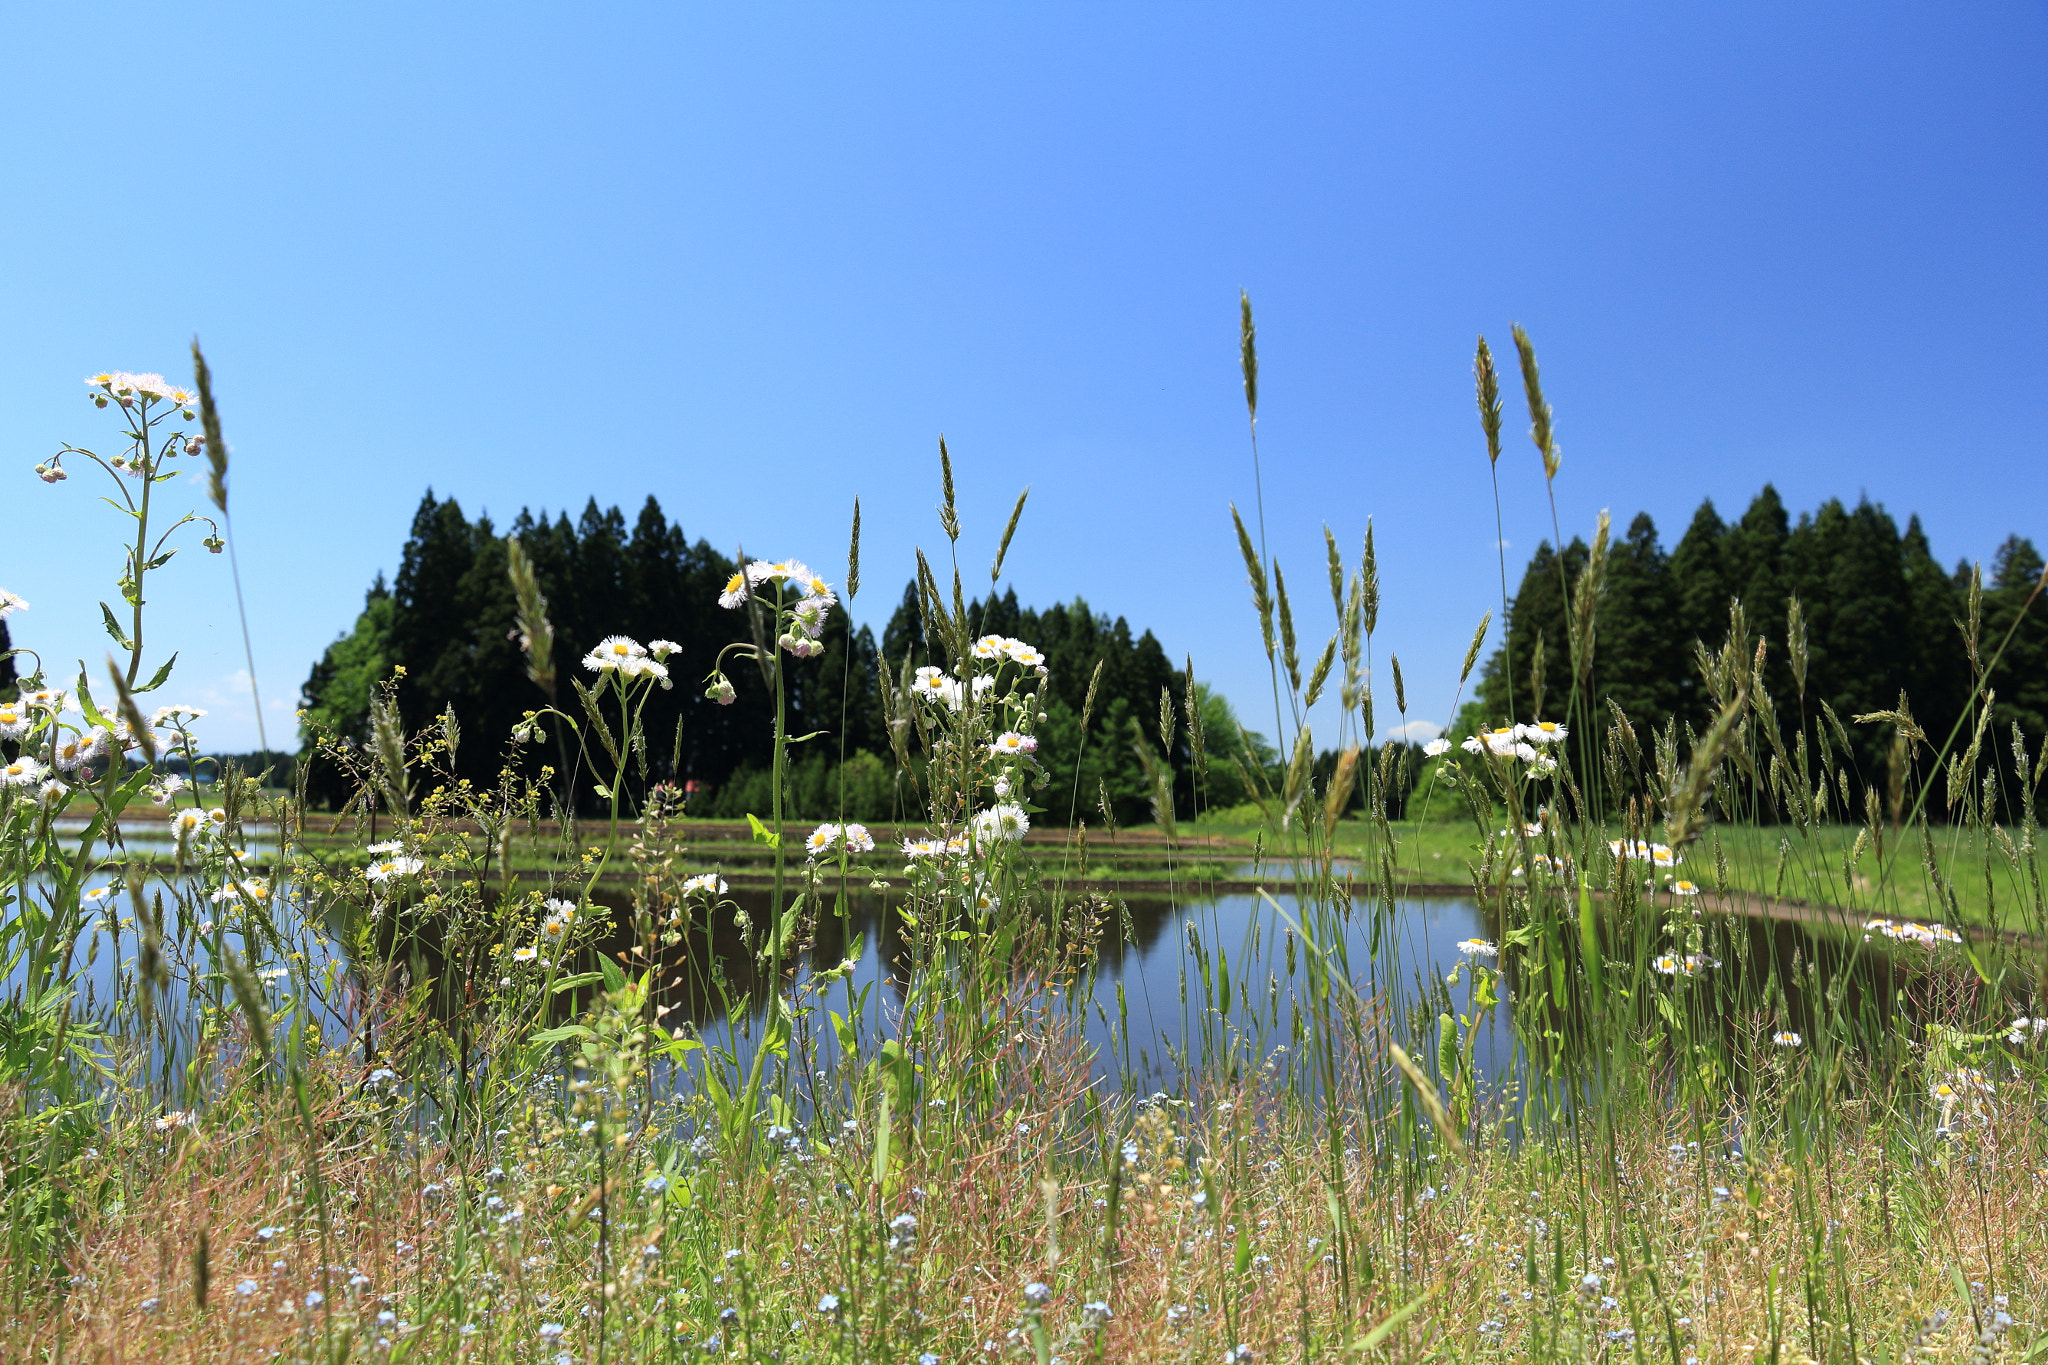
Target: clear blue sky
(753, 260)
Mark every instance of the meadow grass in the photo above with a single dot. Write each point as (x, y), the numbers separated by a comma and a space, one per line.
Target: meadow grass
(484, 1131)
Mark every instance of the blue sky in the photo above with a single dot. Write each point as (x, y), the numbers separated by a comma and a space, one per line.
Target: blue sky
(753, 260)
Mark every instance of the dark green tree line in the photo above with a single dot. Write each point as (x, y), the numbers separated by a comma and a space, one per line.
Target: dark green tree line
(1882, 618)
(448, 622)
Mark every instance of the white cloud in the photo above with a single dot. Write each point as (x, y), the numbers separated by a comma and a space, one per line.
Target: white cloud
(1415, 731)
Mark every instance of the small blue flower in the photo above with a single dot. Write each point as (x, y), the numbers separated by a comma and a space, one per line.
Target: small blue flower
(829, 1304)
(656, 1184)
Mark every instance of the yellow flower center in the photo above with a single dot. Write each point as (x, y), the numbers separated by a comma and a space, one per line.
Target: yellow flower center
(735, 583)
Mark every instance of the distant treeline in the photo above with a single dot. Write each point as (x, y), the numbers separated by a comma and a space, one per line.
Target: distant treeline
(448, 622)
(1882, 618)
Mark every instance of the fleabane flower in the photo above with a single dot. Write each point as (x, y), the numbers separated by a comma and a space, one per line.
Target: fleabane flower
(777, 571)
(1787, 1039)
(188, 822)
(1028, 657)
(387, 846)
(810, 615)
(1681, 887)
(661, 649)
(616, 652)
(710, 883)
(1544, 732)
(255, 888)
(930, 682)
(1006, 821)
(815, 589)
(48, 699)
(125, 385)
(13, 721)
(1437, 746)
(20, 772)
(526, 954)
(1478, 947)
(721, 690)
(10, 603)
(174, 716)
(74, 752)
(164, 790)
(800, 645)
(51, 794)
(826, 837)
(735, 594)
(992, 647)
(1010, 743)
(922, 848)
(392, 869)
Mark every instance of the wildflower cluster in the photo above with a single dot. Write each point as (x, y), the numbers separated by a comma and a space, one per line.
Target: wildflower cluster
(1906, 931)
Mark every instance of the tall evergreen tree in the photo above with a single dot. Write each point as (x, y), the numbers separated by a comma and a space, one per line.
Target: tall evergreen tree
(2021, 679)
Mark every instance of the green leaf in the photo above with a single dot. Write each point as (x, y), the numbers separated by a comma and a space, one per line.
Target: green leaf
(763, 834)
(157, 678)
(614, 978)
(1391, 1321)
(570, 983)
(114, 627)
(549, 1036)
(1244, 1251)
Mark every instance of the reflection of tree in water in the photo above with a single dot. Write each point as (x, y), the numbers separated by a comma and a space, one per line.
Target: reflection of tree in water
(713, 965)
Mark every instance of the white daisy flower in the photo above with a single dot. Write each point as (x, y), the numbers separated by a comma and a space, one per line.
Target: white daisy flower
(661, 649)
(526, 954)
(48, 699)
(13, 721)
(810, 614)
(992, 647)
(815, 589)
(186, 821)
(1437, 746)
(392, 869)
(641, 666)
(553, 928)
(174, 715)
(1787, 1039)
(10, 603)
(73, 752)
(51, 793)
(125, 385)
(1029, 658)
(777, 571)
(1010, 743)
(1544, 732)
(735, 593)
(20, 772)
(1006, 821)
(166, 789)
(1478, 947)
(1525, 752)
(388, 846)
(858, 839)
(613, 652)
(922, 848)
(1681, 887)
(930, 682)
(560, 909)
(710, 883)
